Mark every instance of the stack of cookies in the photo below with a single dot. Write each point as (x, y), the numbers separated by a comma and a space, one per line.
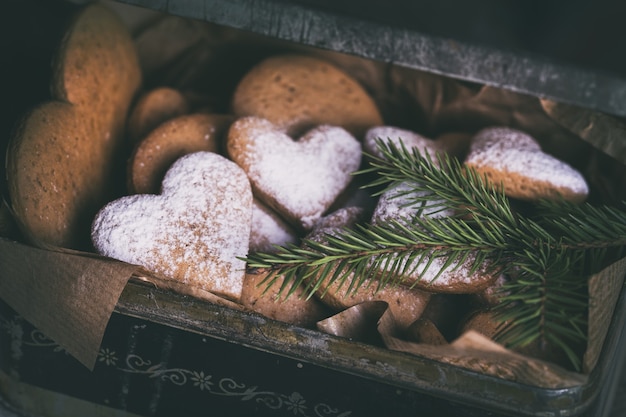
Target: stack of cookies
(205, 188)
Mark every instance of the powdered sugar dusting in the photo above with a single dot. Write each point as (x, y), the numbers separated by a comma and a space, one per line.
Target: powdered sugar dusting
(511, 151)
(335, 222)
(406, 304)
(304, 177)
(268, 229)
(395, 205)
(501, 138)
(398, 136)
(193, 232)
(398, 203)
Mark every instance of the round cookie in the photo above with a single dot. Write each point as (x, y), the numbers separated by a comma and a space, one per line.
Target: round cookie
(174, 138)
(64, 160)
(153, 108)
(194, 232)
(299, 179)
(514, 160)
(298, 92)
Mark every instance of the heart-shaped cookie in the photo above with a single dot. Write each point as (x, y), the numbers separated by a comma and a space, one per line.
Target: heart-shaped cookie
(299, 179)
(64, 159)
(194, 231)
(515, 160)
(397, 204)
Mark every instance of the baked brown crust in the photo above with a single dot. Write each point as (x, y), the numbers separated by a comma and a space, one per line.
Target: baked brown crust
(153, 108)
(298, 92)
(174, 138)
(296, 309)
(62, 164)
(513, 160)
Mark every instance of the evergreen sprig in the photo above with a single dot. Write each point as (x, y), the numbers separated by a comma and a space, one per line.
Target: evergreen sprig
(546, 254)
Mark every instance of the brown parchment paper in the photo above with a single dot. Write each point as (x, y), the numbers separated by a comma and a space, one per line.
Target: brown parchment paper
(604, 290)
(69, 297)
(601, 130)
(471, 350)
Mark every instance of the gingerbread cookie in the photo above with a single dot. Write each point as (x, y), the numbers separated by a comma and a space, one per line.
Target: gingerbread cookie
(298, 92)
(269, 229)
(406, 304)
(174, 138)
(514, 160)
(64, 160)
(153, 108)
(398, 204)
(399, 137)
(299, 179)
(395, 205)
(193, 232)
(296, 309)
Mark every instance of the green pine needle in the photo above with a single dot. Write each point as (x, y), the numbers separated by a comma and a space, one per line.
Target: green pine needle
(547, 257)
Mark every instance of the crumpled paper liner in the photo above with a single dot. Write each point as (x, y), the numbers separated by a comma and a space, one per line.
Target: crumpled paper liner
(604, 290)
(603, 131)
(70, 296)
(471, 350)
(373, 321)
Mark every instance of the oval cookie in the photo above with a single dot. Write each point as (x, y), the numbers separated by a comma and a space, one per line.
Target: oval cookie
(182, 135)
(298, 92)
(153, 108)
(395, 205)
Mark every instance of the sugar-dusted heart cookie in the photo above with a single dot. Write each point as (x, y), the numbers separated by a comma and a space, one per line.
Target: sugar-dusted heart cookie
(194, 231)
(269, 229)
(515, 160)
(299, 179)
(405, 304)
(398, 137)
(395, 204)
(299, 92)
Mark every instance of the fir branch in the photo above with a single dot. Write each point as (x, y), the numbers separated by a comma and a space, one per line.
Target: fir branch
(547, 256)
(445, 179)
(366, 248)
